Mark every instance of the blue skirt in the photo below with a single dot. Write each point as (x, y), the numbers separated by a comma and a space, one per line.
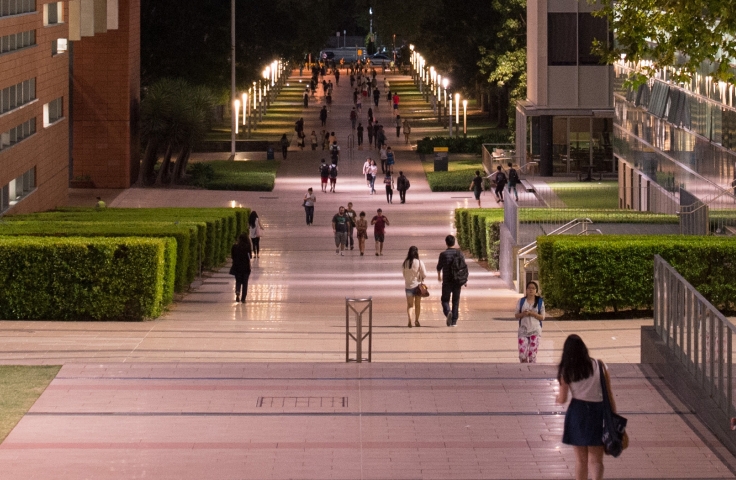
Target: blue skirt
(583, 424)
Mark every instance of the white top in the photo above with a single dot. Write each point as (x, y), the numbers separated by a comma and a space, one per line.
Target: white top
(309, 199)
(529, 325)
(384, 155)
(255, 231)
(589, 389)
(415, 275)
(374, 170)
(366, 167)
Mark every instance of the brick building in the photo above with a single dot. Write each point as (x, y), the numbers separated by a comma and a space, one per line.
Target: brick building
(69, 95)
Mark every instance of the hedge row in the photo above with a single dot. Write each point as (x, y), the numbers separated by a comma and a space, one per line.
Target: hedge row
(534, 215)
(85, 278)
(478, 230)
(186, 236)
(463, 144)
(217, 227)
(596, 273)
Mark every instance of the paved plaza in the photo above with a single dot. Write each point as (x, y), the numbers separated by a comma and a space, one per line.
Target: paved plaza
(215, 389)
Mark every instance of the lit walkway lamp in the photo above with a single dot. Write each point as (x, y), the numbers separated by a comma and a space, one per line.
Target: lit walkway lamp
(465, 118)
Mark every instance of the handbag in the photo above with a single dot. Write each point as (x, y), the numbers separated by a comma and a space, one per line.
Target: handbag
(421, 290)
(615, 440)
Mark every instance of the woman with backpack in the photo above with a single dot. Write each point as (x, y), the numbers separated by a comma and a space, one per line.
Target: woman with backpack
(530, 313)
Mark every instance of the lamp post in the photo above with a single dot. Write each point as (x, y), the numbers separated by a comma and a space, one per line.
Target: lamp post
(236, 111)
(445, 82)
(370, 12)
(457, 112)
(450, 117)
(234, 123)
(245, 114)
(465, 118)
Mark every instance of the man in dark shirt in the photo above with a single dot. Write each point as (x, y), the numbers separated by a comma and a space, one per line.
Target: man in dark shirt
(449, 287)
(379, 230)
(340, 224)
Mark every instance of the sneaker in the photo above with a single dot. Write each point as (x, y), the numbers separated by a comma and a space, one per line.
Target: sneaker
(376, 253)
(454, 325)
(449, 319)
(342, 254)
(352, 247)
(361, 254)
(237, 299)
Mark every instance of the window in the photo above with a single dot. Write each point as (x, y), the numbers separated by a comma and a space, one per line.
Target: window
(17, 95)
(17, 134)
(590, 28)
(16, 41)
(52, 13)
(53, 111)
(16, 7)
(562, 39)
(58, 46)
(18, 188)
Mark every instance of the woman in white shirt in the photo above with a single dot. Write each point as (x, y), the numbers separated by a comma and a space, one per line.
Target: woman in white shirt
(579, 375)
(373, 172)
(414, 274)
(367, 172)
(530, 313)
(256, 231)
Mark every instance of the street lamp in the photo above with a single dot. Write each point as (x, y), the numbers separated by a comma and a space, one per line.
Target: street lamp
(450, 117)
(236, 109)
(445, 82)
(234, 123)
(465, 118)
(370, 12)
(245, 107)
(457, 110)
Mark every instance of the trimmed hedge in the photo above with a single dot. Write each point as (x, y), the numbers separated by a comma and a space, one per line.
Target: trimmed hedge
(219, 226)
(478, 230)
(597, 216)
(463, 144)
(595, 273)
(186, 236)
(75, 278)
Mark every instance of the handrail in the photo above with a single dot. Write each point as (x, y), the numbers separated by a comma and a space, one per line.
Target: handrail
(697, 334)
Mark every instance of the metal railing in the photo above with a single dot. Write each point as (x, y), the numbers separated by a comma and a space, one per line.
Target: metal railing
(695, 332)
(359, 336)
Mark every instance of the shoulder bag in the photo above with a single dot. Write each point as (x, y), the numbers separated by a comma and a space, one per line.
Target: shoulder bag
(615, 439)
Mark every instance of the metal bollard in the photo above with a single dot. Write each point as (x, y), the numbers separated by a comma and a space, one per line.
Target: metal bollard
(351, 304)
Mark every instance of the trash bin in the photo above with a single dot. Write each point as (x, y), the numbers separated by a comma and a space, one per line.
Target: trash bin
(440, 159)
(269, 153)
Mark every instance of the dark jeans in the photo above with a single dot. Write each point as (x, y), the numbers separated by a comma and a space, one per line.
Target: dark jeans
(360, 139)
(310, 214)
(284, 150)
(389, 193)
(241, 284)
(402, 195)
(350, 237)
(256, 245)
(499, 191)
(447, 290)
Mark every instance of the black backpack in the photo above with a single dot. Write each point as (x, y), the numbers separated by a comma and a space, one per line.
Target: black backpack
(333, 171)
(459, 270)
(513, 176)
(324, 169)
(501, 179)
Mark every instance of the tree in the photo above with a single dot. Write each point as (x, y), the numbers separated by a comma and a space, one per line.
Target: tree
(673, 33)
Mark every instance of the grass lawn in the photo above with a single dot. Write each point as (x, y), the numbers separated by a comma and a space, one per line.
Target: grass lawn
(253, 175)
(458, 177)
(587, 195)
(20, 386)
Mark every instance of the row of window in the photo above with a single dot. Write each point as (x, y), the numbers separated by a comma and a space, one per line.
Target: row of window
(16, 7)
(18, 188)
(15, 96)
(15, 135)
(52, 13)
(570, 38)
(16, 41)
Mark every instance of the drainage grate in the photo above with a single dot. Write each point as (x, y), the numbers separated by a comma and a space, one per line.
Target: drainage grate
(302, 402)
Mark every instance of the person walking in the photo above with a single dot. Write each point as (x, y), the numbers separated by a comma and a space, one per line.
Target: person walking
(359, 104)
(530, 314)
(498, 178)
(383, 155)
(313, 139)
(395, 100)
(376, 96)
(402, 185)
(451, 285)
(337, 77)
(414, 274)
(306, 97)
(367, 172)
(370, 133)
(360, 136)
(240, 269)
(324, 174)
(352, 216)
(514, 180)
(284, 143)
(579, 377)
(361, 227)
(398, 126)
(379, 222)
(325, 140)
(476, 185)
(333, 176)
(374, 173)
(323, 115)
(390, 160)
(370, 116)
(308, 203)
(335, 152)
(256, 231)
(380, 135)
(388, 180)
(353, 118)
(340, 223)
(407, 131)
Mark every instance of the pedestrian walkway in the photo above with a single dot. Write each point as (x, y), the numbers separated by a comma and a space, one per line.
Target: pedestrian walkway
(215, 389)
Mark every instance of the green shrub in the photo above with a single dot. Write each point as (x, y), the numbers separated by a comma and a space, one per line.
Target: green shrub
(241, 176)
(201, 174)
(478, 231)
(185, 235)
(493, 242)
(463, 144)
(564, 215)
(75, 278)
(456, 181)
(596, 273)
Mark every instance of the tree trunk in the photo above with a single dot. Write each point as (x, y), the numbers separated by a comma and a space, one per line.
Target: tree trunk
(163, 173)
(181, 163)
(150, 157)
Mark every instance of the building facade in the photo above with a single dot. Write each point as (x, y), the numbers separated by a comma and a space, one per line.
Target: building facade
(69, 90)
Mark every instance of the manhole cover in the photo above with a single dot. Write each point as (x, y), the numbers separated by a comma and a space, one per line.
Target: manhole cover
(302, 402)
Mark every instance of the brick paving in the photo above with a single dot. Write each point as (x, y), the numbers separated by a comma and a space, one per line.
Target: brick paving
(215, 389)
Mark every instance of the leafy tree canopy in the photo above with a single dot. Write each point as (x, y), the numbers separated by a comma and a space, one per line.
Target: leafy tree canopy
(674, 33)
